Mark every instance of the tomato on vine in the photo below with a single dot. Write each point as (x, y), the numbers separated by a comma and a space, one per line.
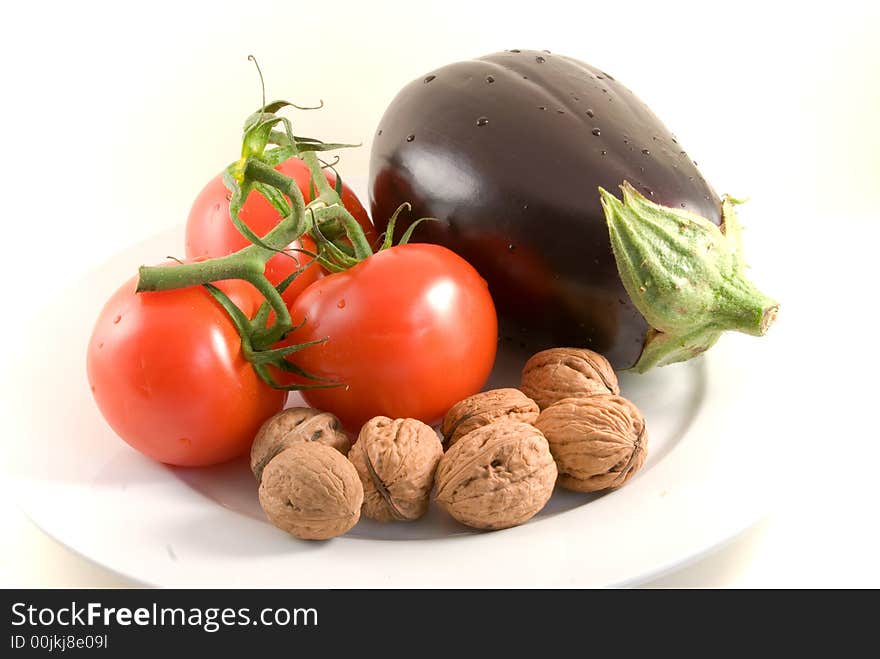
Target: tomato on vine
(169, 375)
(410, 331)
(188, 362)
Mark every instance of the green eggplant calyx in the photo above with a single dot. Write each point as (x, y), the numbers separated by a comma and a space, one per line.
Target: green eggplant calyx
(684, 274)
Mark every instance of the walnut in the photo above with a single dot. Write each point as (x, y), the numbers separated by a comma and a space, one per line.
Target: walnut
(496, 476)
(484, 408)
(295, 424)
(598, 442)
(558, 373)
(311, 491)
(396, 460)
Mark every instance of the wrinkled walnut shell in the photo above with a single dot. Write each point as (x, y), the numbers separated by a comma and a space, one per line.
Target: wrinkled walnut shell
(557, 373)
(293, 425)
(485, 407)
(598, 442)
(395, 460)
(311, 491)
(496, 476)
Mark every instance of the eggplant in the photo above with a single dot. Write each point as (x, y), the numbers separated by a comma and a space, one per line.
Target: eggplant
(515, 154)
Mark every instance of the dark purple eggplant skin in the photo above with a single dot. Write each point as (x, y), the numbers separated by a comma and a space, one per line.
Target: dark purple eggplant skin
(508, 152)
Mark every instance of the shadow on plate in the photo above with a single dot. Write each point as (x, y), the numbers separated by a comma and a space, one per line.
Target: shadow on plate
(213, 533)
(231, 485)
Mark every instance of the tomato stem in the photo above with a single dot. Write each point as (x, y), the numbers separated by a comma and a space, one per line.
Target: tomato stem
(310, 158)
(263, 173)
(262, 338)
(353, 230)
(167, 277)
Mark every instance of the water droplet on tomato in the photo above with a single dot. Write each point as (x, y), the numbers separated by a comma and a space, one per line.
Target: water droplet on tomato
(597, 132)
(646, 152)
(542, 107)
(590, 113)
(560, 111)
(511, 247)
(490, 79)
(117, 319)
(515, 50)
(604, 152)
(410, 138)
(683, 205)
(482, 121)
(341, 304)
(380, 132)
(429, 79)
(540, 60)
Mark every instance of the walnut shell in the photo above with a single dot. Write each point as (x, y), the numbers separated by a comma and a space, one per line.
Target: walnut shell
(598, 442)
(496, 476)
(295, 424)
(311, 491)
(395, 460)
(484, 408)
(557, 373)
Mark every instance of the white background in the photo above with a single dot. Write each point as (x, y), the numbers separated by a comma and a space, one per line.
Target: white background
(115, 115)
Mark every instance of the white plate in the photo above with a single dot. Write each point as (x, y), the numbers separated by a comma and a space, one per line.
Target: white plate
(170, 526)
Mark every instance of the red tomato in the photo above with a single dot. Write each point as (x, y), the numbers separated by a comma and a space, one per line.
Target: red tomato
(167, 373)
(411, 331)
(210, 232)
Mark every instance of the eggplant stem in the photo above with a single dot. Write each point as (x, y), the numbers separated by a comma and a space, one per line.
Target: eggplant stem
(684, 274)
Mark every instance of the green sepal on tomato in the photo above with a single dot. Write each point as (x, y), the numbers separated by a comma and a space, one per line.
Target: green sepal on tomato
(210, 232)
(169, 375)
(410, 331)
